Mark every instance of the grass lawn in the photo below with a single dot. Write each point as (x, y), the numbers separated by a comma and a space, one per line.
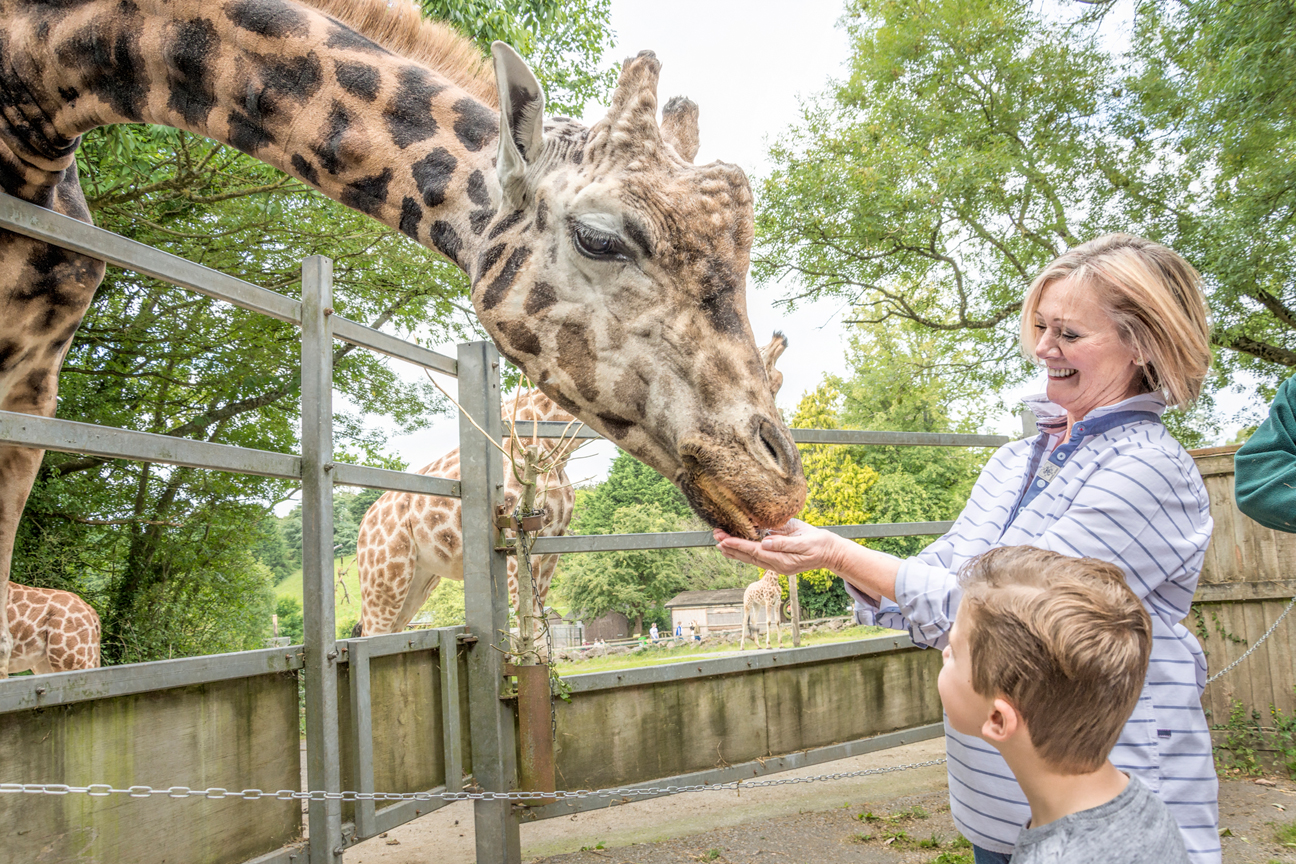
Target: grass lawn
(685, 653)
(292, 587)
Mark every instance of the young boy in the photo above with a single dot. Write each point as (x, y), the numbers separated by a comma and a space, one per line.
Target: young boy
(1046, 660)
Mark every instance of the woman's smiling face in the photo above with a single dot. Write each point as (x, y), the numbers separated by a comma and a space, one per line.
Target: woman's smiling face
(1088, 365)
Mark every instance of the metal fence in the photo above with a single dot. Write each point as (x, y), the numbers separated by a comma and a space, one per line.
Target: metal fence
(341, 735)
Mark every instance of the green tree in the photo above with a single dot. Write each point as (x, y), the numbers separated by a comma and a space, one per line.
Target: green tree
(975, 140)
(634, 583)
(271, 550)
(629, 483)
(288, 610)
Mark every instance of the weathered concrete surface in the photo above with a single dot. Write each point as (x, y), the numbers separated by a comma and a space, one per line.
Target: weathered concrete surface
(233, 734)
(626, 735)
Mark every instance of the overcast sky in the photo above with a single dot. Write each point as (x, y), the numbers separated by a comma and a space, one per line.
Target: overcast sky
(748, 67)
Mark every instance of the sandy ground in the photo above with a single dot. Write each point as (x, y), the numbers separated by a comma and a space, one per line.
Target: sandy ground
(907, 822)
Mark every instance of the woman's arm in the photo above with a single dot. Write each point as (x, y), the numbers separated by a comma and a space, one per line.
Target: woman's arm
(798, 547)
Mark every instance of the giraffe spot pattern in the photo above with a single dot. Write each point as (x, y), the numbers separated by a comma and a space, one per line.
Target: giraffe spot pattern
(477, 191)
(432, 175)
(368, 194)
(106, 53)
(505, 224)
(488, 259)
(576, 357)
(349, 40)
(328, 146)
(539, 298)
(508, 274)
(305, 169)
(411, 216)
(359, 79)
(475, 124)
(273, 19)
(409, 113)
(447, 240)
(187, 49)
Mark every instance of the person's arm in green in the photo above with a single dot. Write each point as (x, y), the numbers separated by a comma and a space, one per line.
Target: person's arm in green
(1265, 467)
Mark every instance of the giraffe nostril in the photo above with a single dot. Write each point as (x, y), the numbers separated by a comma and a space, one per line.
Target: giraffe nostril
(773, 443)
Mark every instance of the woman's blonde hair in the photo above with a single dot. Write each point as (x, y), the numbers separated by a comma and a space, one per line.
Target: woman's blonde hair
(1154, 297)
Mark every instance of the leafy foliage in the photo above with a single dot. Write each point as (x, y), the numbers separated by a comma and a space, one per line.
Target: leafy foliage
(563, 42)
(975, 140)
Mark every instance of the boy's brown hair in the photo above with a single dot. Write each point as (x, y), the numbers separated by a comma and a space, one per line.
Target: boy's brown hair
(1065, 641)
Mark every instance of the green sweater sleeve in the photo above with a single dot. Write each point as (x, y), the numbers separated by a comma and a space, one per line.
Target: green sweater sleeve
(1265, 467)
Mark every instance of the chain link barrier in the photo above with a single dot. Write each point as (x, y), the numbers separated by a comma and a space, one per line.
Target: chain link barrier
(99, 790)
(1258, 643)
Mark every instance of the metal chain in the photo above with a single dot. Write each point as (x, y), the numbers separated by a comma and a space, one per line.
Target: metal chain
(1258, 643)
(103, 789)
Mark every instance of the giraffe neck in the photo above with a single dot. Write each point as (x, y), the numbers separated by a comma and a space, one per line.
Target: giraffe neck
(283, 82)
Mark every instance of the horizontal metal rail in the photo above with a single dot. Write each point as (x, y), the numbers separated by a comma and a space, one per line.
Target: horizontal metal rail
(346, 474)
(748, 770)
(61, 688)
(22, 692)
(63, 231)
(699, 539)
(713, 666)
(555, 429)
(69, 436)
(397, 643)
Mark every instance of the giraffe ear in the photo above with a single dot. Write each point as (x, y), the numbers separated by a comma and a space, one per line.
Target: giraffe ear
(521, 138)
(770, 355)
(679, 126)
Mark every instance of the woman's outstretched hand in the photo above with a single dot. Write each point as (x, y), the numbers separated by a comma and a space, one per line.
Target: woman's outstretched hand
(793, 548)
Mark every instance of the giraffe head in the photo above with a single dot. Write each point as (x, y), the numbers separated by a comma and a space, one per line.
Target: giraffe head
(613, 273)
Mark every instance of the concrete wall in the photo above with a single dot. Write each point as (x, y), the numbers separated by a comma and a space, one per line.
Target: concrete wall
(234, 734)
(621, 735)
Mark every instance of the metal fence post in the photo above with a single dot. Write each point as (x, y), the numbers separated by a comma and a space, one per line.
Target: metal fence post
(486, 603)
(322, 750)
(1029, 429)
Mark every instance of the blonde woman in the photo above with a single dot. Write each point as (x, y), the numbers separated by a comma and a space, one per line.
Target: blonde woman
(1120, 325)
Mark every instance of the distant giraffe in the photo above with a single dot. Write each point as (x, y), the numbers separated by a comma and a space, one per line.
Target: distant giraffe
(603, 262)
(53, 631)
(765, 592)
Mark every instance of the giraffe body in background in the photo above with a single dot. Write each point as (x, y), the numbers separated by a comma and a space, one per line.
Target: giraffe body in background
(603, 263)
(408, 543)
(764, 592)
(53, 631)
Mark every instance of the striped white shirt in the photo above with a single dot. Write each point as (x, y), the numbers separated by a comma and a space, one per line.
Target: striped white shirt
(1124, 491)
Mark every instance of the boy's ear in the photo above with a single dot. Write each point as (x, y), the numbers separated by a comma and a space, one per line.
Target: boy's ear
(1003, 723)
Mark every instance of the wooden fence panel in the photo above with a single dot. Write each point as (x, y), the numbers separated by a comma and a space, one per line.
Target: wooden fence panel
(237, 734)
(1248, 577)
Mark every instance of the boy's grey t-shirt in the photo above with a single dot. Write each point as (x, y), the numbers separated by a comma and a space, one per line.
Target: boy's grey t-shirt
(1132, 828)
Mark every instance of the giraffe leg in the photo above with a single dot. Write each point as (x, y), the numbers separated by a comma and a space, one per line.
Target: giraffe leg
(49, 290)
(742, 639)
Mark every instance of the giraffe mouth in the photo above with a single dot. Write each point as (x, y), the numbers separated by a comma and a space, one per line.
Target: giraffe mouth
(716, 505)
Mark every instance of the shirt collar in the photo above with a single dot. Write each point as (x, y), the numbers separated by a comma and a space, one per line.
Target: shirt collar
(1051, 417)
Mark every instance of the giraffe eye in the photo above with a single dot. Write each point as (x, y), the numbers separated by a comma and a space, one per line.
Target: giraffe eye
(596, 244)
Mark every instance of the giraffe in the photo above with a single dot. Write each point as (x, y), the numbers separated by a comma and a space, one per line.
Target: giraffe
(53, 631)
(766, 592)
(408, 543)
(603, 262)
